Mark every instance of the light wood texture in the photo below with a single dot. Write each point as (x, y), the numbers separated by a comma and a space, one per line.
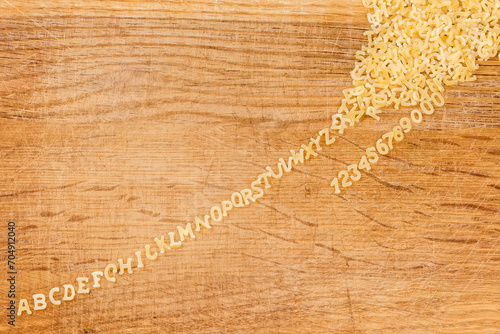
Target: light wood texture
(120, 120)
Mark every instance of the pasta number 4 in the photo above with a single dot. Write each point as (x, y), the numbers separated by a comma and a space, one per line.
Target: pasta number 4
(364, 164)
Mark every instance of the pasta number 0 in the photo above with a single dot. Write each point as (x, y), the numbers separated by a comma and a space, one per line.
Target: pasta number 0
(416, 116)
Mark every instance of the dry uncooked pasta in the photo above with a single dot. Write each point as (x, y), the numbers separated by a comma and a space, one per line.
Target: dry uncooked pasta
(415, 48)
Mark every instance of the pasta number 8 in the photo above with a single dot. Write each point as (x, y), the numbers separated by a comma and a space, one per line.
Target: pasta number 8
(398, 133)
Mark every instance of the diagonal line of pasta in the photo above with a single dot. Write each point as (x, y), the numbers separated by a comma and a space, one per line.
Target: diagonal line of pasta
(414, 50)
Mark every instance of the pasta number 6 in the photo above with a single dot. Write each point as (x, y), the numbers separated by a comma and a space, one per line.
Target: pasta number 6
(382, 148)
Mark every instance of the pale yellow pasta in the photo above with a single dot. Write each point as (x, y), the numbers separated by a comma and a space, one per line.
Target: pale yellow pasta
(415, 48)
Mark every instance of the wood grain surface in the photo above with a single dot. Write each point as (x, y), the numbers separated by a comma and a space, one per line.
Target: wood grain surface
(121, 119)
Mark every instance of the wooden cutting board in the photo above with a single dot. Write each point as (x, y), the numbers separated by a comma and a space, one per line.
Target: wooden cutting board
(121, 120)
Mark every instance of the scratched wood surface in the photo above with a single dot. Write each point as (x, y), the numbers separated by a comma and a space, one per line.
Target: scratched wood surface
(118, 120)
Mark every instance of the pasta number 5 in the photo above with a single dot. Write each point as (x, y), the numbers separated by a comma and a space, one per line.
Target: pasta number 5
(372, 155)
